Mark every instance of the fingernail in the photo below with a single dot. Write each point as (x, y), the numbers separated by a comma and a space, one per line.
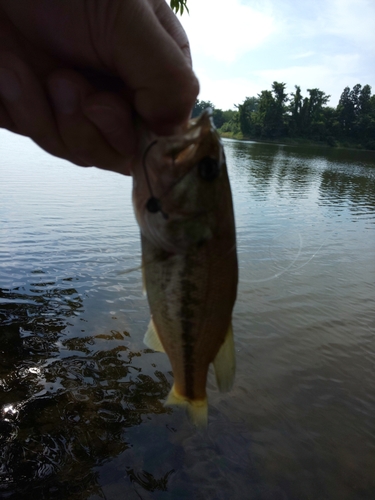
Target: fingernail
(65, 96)
(10, 88)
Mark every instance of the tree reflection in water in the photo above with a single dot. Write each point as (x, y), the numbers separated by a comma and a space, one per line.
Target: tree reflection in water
(66, 403)
(340, 174)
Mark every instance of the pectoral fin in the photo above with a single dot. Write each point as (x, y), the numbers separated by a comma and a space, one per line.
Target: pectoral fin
(225, 363)
(151, 338)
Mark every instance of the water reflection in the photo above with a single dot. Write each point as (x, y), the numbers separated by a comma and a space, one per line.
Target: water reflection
(359, 191)
(303, 173)
(66, 403)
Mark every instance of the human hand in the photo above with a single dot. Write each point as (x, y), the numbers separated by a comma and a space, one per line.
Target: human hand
(55, 54)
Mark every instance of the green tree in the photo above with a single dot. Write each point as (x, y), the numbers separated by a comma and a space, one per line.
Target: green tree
(306, 115)
(364, 100)
(279, 109)
(272, 114)
(200, 106)
(332, 126)
(263, 118)
(316, 128)
(295, 109)
(365, 123)
(245, 111)
(229, 114)
(231, 123)
(269, 121)
(356, 114)
(217, 114)
(354, 97)
(179, 6)
(345, 112)
(218, 117)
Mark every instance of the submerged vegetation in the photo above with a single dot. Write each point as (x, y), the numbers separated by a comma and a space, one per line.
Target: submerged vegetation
(275, 115)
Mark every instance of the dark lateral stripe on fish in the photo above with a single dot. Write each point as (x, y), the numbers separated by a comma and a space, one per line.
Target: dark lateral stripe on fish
(187, 316)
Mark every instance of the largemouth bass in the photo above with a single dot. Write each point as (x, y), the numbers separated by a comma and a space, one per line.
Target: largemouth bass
(183, 204)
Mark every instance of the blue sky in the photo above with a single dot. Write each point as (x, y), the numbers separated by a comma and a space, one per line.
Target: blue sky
(240, 47)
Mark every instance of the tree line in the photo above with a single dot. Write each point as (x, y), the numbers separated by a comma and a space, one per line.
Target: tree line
(274, 114)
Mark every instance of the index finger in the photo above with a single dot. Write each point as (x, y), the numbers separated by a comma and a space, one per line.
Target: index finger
(152, 56)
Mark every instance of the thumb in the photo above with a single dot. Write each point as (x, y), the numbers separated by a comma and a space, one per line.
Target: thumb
(152, 57)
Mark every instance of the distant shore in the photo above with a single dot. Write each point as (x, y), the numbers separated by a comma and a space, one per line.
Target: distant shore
(297, 141)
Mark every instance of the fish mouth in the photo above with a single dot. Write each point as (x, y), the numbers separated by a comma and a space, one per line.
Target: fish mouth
(176, 155)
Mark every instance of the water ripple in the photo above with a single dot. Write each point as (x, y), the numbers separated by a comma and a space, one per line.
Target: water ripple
(81, 397)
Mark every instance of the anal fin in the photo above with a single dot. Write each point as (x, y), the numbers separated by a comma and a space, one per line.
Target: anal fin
(151, 338)
(225, 363)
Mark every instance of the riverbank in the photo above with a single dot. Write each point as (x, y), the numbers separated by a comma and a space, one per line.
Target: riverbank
(300, 141)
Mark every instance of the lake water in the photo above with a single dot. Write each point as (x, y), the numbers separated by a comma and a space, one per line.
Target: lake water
(81, 397)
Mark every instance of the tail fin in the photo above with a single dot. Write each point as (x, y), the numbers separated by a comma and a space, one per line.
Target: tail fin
(196, 408)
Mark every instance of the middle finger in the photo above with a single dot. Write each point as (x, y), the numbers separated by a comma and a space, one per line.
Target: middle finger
(82, 138)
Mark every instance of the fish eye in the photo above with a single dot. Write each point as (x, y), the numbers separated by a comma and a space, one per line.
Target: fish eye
(153, 205)
(208, 168)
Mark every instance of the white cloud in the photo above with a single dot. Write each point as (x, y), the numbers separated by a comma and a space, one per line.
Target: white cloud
(240, 47)
(354, 20)
(224, 30)
(304, 55)
(331, 75)
(224, 93)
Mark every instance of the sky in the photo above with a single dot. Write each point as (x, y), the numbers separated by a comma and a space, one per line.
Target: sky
(240, 47)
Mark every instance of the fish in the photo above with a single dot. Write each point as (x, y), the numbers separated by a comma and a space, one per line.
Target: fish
(183, 205)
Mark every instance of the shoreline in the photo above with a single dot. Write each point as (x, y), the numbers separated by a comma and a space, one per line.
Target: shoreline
(297, 141)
